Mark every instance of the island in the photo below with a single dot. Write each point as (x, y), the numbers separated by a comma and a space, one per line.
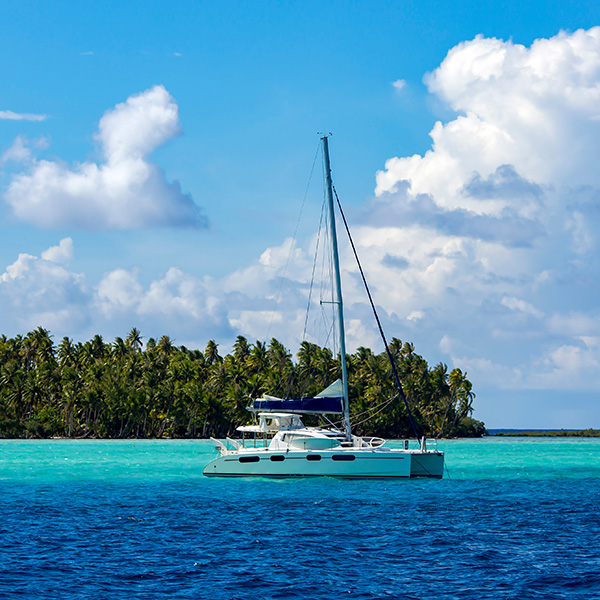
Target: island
(128, 389)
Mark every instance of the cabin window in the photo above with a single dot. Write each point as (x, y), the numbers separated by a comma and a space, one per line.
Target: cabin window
(343, 457)
(313, 457)
(277, 458)
(245, 459)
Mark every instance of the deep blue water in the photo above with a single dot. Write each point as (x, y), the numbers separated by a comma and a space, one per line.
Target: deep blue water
(518, 518)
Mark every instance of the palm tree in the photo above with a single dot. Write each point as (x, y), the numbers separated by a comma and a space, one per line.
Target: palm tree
(241, 349)
(67, 353)
(134, 340)
(165, 345)
(211, 353)
(119, 349)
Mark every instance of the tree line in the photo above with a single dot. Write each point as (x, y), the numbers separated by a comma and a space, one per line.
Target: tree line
(124, 389)
(551, 433)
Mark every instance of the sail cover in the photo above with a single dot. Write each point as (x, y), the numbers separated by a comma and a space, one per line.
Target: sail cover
(329, 401)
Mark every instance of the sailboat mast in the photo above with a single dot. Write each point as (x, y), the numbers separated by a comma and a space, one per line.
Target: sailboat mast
(338, 288)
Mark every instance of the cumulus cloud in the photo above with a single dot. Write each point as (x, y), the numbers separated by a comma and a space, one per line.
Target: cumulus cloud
(119, 291)
(124, 191)
(190, 309)
(42, 291)
(493, 231)
(62, 253)
(578, 360)
(535, 108)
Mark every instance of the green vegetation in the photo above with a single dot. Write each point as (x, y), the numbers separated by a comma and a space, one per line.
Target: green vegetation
(121, 390)
(553, 433)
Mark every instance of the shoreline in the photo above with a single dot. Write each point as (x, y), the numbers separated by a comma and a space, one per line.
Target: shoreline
(545, 433)
(583, 433)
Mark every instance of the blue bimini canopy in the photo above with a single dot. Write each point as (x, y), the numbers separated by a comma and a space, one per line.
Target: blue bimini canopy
(329, 401)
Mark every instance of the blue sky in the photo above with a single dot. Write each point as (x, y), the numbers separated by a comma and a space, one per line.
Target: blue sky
(153, 160)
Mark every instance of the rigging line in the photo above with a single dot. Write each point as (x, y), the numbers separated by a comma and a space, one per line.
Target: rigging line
(327, 266)
(387, 349)
(293, 241)
(327, 332)
(312, 278)
(380, 408)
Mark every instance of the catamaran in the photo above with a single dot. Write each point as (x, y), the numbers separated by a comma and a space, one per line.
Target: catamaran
(280, 445)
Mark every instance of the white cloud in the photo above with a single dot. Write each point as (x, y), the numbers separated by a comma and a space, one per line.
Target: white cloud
(177, 295)
(62, 253)
(18, 268)
(43, 291)
(416, 315)
(13, 116)
(126, 190)
(136, 127)
(446, 345)
(518, 304)
(536, 108)
(569, 366)
(359, 333)
(119, 291)
(179, 304)
(40, 291)
(493, 232)
(399, 84)
(18, 152)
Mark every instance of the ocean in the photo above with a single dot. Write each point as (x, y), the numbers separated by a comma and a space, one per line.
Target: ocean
(512, 518)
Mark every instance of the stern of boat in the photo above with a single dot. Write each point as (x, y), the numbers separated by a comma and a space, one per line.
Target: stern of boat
(427, 464)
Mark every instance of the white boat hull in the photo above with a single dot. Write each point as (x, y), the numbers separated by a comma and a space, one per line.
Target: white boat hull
(348, 463)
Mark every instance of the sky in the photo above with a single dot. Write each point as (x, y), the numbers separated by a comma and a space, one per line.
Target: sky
(155, 159)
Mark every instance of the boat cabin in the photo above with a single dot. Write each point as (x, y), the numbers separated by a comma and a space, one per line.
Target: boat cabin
(285, 431)
(271, 423)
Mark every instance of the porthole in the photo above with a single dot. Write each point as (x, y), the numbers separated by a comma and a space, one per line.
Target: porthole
(245, 459)
(343, 457)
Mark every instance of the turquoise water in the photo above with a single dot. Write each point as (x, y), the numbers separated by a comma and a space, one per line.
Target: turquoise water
(513, 518)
